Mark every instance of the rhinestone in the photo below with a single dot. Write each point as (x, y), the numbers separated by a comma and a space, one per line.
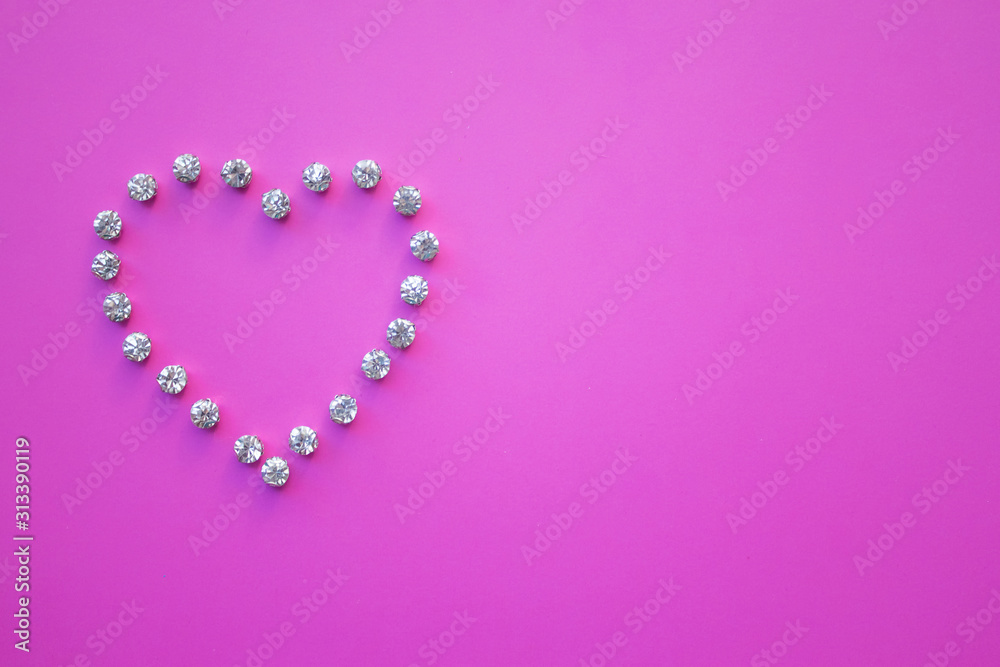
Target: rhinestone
(275, 471)
(424, 245)
(105, 265)
(302, 440)
(367, 174)
(187, 168)
(117, 307)
(136, 346)
(108, 225)
(142, 187)
(376, 364)
(204, 413)
(343, 409)
(400, 333)
(406, 200)
(172, 379)
(275, 204)
(248, 448)
(316, 177)
(413, 290)
(237, 173)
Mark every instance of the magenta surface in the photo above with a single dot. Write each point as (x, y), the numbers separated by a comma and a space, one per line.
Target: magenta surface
(707, 374)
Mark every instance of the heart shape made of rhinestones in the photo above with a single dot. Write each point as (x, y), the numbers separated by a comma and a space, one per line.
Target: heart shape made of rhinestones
(275, 204)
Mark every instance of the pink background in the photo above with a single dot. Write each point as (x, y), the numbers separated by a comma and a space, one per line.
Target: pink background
(516, 333)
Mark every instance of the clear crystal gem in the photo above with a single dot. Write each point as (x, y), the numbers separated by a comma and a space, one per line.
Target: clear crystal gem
(204, 413)
(237, 173)
(303, 440)
(172, 379)
(248, 448)
(376, 364)
(275, 204)
(136, 346)
(366, 174)
(142, 187)
(343, 409)
(413, 290)
(316, 177)
(108, 225)
(275, 471)
(105, 265)
(187, 168)
(117, 307)
(406, 200)
(424, 245)
(400, 333)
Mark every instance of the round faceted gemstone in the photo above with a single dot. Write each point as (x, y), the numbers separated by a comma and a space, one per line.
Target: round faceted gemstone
(424, 245)
(276, 204)
(343, 409)
(204, 413)
(400, 333)
(413, 290)
(248, 448)
(303, 440)
(275, 471)
(317, 177)
(237, 173)
(105, 265)
(375, 364)
(142, 187)
(366, 174)
(108, 225)
(187, 168)
(172, 379)
(406, 200)
(117, 307)
(136, 346)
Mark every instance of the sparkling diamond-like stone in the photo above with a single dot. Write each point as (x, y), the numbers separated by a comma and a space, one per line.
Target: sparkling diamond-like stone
(105, 265)
(317, 177)
(136, 346)
(406, 200)
(172, 379)
(376, 364)
(424, 245)
(117, 307)
(237, 173)
(204, 413)
(248, 448)
(142, 187)
(275, 471)
(413, 290)
(366, 174)
(303, 440)
(400, 333)
(343, 409)
(275, 204)
(187, 168)
(108, 225)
